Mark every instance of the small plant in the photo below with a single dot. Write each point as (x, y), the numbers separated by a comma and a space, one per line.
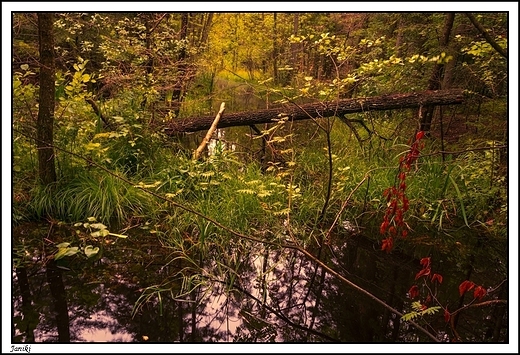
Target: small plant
(428, 294)
(95, 230)
(397, 203)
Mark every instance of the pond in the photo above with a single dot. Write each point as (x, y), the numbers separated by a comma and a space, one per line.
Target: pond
(277, 296)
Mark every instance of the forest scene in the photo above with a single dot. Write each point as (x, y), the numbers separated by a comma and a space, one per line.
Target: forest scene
(259, 177)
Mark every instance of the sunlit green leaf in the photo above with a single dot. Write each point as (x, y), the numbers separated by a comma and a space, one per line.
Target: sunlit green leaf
(91, 251)
(98, 226)
(63, 252)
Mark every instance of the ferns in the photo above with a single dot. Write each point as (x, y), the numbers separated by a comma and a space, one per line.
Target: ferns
(419, 311)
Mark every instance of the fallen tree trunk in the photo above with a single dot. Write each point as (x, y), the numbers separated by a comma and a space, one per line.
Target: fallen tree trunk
(319, 110)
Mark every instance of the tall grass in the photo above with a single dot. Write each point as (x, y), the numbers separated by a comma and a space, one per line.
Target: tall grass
(91, 194)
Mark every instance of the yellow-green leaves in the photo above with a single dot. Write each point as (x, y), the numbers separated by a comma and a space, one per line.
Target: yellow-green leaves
(90, 251)
(419, 310)
(64, 249)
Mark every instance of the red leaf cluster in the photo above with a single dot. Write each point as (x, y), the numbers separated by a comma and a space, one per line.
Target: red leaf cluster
(466, 286)
(437, 277)
(388, 244)
(393, 224)
(413, 292)
(426, 262)
(426, 270)
(479, 292)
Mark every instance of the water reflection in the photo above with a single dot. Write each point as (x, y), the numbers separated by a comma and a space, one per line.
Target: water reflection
(274, 296)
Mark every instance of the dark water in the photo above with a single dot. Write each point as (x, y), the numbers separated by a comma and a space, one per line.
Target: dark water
(277, 296)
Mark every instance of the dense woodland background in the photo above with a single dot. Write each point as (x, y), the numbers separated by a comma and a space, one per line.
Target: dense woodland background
(99, 154)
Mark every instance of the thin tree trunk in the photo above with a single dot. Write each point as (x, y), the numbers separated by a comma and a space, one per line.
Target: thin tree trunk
(399, 40)
(45, 122)
(275, 50)
(205, 29)
(436, 77)
(177, 95)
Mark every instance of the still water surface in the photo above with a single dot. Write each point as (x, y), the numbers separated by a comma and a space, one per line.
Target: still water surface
(278, 296)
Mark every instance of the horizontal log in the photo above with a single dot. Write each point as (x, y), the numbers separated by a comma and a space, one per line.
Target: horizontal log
(318, 110)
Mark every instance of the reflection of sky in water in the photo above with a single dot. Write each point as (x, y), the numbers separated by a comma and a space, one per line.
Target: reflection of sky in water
(101, 299)
(221, 316)
(89, 332)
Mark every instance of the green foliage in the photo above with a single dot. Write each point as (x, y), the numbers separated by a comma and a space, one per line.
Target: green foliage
(457, 198)
(420, 311)
(90, 194)
(95, 232)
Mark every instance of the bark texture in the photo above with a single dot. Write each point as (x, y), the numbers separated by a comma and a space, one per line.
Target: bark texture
(319, 110)
(45, 124)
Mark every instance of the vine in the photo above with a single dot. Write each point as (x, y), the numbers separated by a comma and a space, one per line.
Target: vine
(394, 225)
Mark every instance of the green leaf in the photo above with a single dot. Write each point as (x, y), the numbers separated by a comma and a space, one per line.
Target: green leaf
(91, 251)
(461, 202)
(92, 146)
(100, 226)
(85, 78)
(431, 310)
(24, 67)
(63, 252)
(409, 316)
(100, 233)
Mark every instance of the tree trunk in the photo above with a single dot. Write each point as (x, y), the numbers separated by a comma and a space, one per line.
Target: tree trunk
(177, 95)
(45, 122)
(275, 50)
(436, 77)
(207, 21)
(319, 110)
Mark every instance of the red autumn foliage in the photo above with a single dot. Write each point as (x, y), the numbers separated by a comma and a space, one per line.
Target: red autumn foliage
(466, 286)
(425, 262)
(437, 277)
(479, 292)
(388, 244)
(406, 204)
(423, 272)
(447, 315)
(428, 300)
(397, 203)
(383, 227)
(413, 292)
